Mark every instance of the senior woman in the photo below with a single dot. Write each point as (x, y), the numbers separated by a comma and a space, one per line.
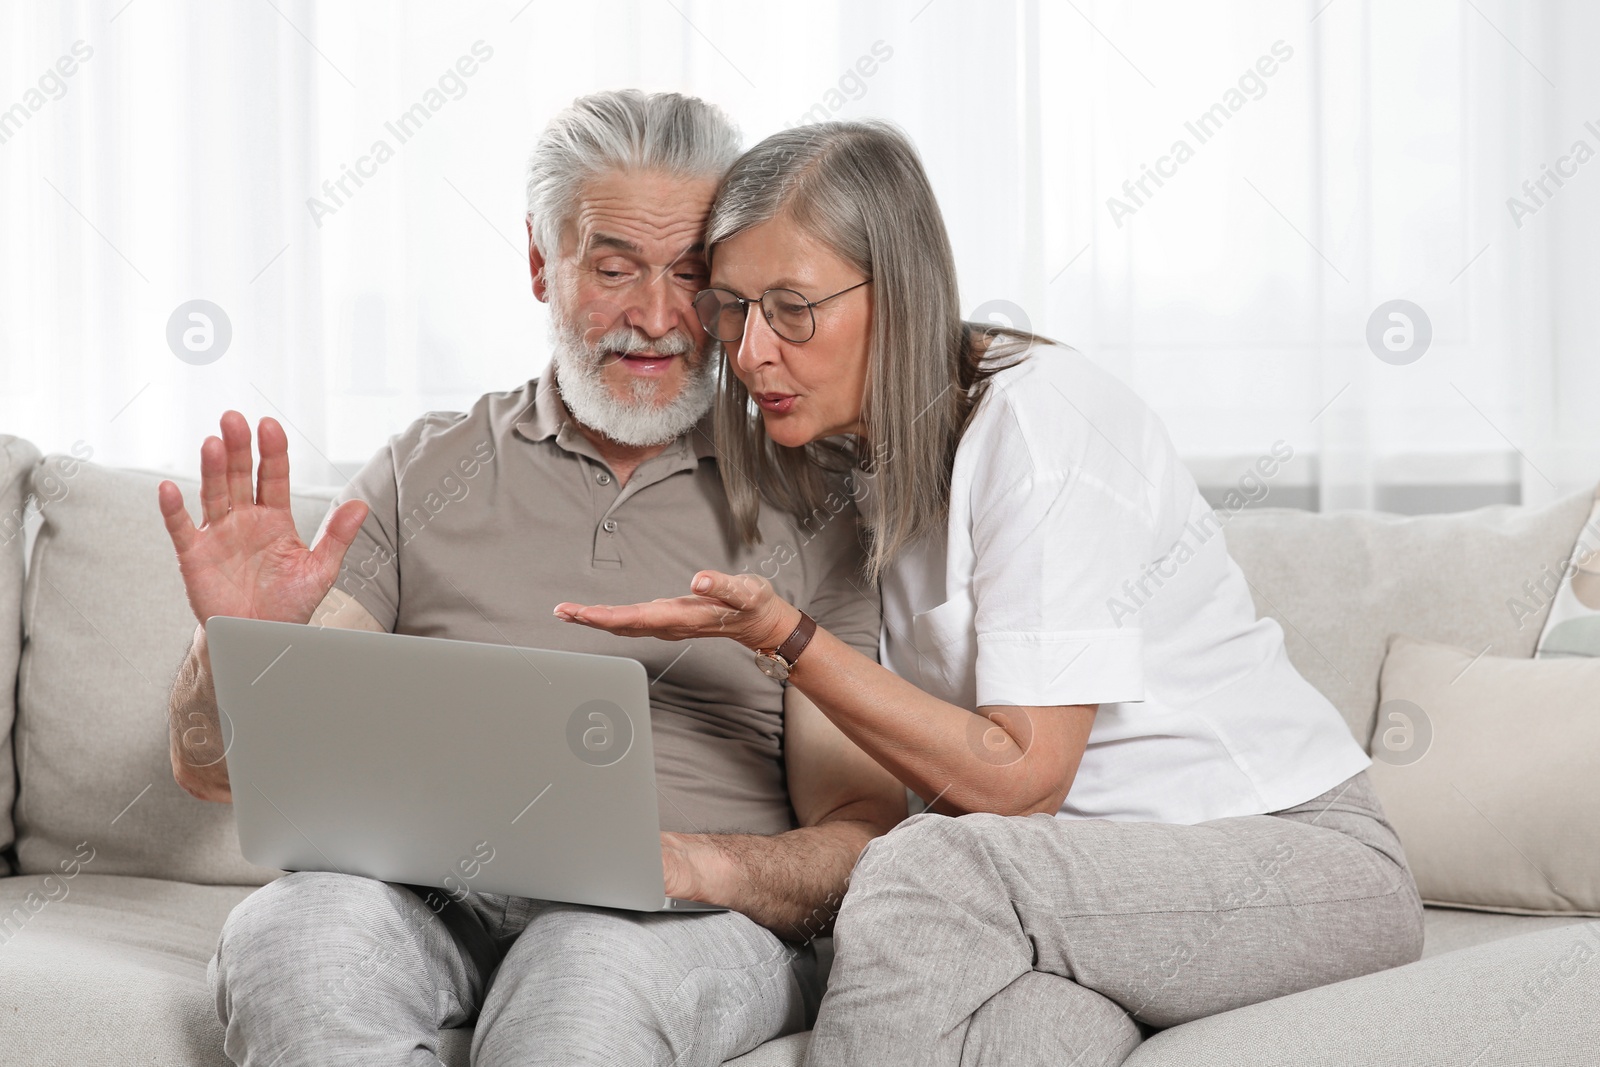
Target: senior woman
(1139, 812)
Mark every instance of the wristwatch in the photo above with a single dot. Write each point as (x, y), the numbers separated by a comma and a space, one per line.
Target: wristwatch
(778, 662)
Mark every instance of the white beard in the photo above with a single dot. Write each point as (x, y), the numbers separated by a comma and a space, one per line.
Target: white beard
(641, 420)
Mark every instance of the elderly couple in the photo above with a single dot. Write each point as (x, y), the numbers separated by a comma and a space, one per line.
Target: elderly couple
(1130, 823)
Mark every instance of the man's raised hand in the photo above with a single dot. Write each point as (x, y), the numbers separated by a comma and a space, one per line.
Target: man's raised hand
(246, 559)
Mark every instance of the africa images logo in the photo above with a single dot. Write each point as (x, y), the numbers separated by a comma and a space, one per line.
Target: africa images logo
(404, 127)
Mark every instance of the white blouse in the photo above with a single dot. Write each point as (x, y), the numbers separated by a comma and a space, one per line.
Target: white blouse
(1081, 565)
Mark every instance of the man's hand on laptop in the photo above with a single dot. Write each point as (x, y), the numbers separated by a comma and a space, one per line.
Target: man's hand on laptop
(246, 559)
(691, 867)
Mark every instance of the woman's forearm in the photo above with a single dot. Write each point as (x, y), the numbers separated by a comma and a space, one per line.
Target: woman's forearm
(1008, 760)
(953, 758)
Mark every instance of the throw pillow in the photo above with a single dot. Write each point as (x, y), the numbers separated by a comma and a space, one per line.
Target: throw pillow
(1489, 769)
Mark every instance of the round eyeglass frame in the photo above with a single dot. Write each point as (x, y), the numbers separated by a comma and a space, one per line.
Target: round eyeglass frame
(767, 313)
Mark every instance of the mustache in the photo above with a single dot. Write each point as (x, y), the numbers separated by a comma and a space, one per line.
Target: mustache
(628, 340)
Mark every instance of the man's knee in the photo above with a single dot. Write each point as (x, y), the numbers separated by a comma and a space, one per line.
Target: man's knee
(606, 950)
(307, 903)
(672, 969)
(270, 937)
(664, 998)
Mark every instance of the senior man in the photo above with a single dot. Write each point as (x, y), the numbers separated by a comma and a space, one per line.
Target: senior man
(596, 482)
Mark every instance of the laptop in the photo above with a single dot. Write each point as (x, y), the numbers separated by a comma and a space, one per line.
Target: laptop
(463, 766)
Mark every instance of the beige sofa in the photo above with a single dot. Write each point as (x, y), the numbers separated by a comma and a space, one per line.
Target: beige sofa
(120, 881)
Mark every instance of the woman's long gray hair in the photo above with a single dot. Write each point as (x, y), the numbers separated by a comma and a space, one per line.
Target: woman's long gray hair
(859, 189)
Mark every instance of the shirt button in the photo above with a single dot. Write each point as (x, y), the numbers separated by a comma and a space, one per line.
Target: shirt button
(609, 526)
(604, 478)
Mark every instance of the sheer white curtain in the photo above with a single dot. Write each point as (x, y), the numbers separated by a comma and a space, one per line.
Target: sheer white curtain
(1339, 156)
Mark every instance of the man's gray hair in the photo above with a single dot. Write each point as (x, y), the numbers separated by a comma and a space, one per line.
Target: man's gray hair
(621, 130)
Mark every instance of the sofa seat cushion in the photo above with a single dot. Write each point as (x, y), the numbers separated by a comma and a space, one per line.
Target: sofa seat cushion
(1448, 929)
(1519, 1000)
(113, 969)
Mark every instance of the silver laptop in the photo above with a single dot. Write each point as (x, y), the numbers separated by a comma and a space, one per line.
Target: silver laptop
(453, 764)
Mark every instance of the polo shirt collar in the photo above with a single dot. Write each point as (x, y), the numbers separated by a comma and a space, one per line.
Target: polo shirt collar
(547, 418)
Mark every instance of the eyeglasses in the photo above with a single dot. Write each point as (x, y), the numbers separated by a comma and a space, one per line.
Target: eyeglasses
(724, 312)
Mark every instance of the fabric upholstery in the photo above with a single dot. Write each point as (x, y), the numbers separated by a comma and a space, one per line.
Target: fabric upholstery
(1340, 583)
(114, 970)
(1448, 929)
(17, 458)
(1493, 786)
(107, 626)
(1523, 1000)
(1572, 627)
(110, 965)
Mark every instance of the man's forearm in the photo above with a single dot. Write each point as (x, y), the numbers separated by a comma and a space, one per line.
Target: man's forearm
(791, 883)
(194, 727)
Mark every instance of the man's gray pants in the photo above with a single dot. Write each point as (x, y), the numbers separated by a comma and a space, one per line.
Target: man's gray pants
(1043, 941)
(336, 969)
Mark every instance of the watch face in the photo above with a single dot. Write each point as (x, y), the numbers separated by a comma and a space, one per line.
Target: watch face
(772, 666)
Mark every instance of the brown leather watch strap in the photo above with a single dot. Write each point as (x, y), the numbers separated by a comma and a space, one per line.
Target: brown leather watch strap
(796, 643)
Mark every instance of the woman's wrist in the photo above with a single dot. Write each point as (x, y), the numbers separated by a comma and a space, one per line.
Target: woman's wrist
(785, 619)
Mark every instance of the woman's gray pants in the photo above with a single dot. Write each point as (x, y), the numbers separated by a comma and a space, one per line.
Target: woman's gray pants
(335, 969)
(1043, 941)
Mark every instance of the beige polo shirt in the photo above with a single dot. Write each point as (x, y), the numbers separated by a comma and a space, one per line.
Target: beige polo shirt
(482, 521)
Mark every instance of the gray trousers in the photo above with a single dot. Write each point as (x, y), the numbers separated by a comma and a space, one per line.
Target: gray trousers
(1042, 941)
(336, 969)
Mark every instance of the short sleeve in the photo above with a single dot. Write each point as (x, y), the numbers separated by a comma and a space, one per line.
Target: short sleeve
(371, 568)
(1051, 553)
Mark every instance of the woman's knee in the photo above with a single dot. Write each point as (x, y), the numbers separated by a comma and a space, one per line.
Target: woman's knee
(931, 869)
(1404, 943)
(925, 846)
(1046, 1019)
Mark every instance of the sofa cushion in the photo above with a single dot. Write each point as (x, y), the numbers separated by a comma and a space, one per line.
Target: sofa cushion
(17, 458)
(1573, 625)
(107, 626)
(1448, 929)
(1489, 769)
(1522, 1000)
(1340, 583)
(114, 970)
